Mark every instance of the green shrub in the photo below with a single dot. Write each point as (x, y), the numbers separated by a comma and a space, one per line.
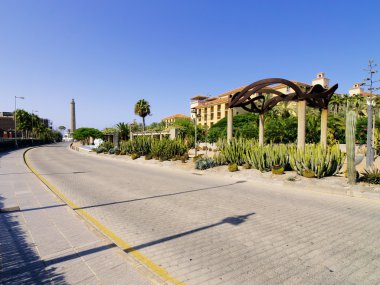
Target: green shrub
(135, 156)
(100, 149)
(140, 145)
(107, 145)
(317, 159)
(111, 151)
(371, 175)
(148, 156)
(204, 163)
(232, 167)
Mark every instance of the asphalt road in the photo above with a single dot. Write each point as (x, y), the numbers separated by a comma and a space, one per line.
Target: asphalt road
(215, 230)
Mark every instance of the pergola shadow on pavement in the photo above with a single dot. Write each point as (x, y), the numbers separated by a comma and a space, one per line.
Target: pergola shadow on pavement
(19, 261)
(234, 221)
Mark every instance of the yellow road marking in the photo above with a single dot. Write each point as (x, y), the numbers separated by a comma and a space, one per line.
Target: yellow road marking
(115, 238)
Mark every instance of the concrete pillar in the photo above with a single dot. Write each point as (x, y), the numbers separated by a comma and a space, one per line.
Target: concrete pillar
(230, 121)
(324, 115)
(261, 129)
(72, 121)
(301, 106)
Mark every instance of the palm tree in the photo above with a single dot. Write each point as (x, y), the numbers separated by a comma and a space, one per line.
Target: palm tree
(142, 108)
(123, 130)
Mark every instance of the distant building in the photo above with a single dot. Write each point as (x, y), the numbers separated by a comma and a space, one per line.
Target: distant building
(7, 125)
(358, 90)
(169, 121)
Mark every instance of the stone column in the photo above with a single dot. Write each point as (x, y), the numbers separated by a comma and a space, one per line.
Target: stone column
(230, 119)
(72, 121)
(324, 115)
(301, 105)
(261, 129)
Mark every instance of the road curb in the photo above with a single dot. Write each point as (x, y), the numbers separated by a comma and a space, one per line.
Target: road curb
(152, 266)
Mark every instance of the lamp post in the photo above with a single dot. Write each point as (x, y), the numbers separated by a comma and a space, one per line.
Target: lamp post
(33, 111)
(371, 102)
(16, 97)
(194, 111)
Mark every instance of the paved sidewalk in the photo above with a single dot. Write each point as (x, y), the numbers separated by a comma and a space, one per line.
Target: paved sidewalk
(43, 241)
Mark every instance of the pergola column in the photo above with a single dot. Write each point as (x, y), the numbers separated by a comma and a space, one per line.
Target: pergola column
(230, 119)
(261, 129)
(324, 115)
(301, 106)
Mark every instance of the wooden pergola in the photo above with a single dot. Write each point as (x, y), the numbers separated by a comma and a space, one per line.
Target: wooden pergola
(252, 99)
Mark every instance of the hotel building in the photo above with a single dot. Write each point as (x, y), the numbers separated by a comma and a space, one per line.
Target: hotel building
(209, 110)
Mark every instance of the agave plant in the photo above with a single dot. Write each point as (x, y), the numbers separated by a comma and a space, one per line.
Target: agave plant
(371, 175)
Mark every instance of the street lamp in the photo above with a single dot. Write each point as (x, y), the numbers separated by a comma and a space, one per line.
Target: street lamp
(33, 111)
(194, 111)
(16, 97)
(371, 102)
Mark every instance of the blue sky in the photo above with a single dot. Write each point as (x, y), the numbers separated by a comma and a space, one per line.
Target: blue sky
(109, 54)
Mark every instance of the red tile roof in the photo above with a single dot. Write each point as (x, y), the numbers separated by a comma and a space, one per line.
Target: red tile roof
(176, 116)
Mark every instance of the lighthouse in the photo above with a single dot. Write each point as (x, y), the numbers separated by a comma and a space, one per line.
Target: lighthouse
(72, 121)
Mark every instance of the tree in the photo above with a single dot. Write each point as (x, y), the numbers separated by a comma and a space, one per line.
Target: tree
(84, 134)
(123, 130)
(142, 109)
(24, 121)
(61, 128)
(156, 126)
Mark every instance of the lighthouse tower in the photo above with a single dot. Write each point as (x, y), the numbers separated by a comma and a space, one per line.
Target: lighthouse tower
(72, 121)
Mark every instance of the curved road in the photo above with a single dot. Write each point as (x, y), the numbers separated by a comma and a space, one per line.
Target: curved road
(215, 230)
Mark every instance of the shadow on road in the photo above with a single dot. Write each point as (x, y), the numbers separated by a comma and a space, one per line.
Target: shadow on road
(19, 262)
(159, 196)
(235, 221)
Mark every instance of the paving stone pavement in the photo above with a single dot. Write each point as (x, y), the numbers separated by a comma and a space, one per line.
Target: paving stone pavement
(214, 230)
(46, 242)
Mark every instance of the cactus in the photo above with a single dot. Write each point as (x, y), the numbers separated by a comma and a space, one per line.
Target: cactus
(323, 161)
(350, 146)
